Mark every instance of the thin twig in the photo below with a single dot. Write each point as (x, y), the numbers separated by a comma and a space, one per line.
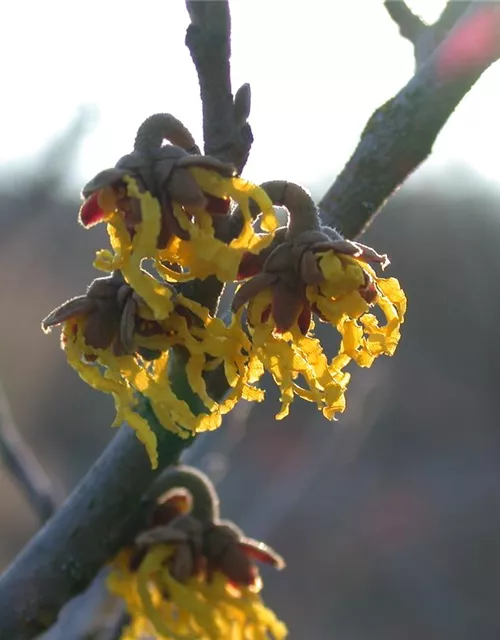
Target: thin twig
(410, 25)
(226, 133)
(425, 37)
(102, 515)
(42, 494)
(400, 134)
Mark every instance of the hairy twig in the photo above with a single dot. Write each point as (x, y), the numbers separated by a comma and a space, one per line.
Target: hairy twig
(226, 132)
(400, 134)
(101, 515)
(42, 494)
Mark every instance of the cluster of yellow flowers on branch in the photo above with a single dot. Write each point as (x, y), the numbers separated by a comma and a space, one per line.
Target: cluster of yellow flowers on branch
(169, 212)
(191, 575)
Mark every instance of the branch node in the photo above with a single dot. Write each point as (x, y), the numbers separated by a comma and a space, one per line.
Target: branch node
(410, 25)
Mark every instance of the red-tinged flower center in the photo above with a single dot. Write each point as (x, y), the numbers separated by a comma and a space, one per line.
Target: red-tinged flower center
(369, 291)
(304, 319)
(91, 212)
(250, 265)
(266, 314)
(185, 313)
(217, 205)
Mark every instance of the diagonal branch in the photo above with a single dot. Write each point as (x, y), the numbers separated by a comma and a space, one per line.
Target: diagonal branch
(400, 134)
(42, 494)
(425, 37)
(102, 514)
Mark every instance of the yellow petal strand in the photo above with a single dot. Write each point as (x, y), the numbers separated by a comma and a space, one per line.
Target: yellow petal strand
(197, 308)
(144, 433)
(120, 242)
(352, 335)
(172, 275)
(110, 381)
(342, 275)
(157, 296)
(240, 191)
(150, 566)
(391, 288)
(194, 371)
(203, 254)
(107, 200)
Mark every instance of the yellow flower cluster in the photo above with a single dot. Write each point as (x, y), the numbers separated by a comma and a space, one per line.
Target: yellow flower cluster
(200, 256)
(163, 608)
(340, 302)
(189, 574)
(207, 340)
(290, 356)
(119, 337)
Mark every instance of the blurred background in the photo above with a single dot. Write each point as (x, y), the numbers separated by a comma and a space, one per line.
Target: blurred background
(389, 519)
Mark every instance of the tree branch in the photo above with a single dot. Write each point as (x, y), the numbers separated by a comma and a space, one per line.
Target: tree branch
(42, 494)
(425, 37)
(451, 14)
(400, 134)
(99, 518)
(227, 134)
(102, 515)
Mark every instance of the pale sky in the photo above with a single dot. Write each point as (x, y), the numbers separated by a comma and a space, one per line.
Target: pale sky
(317, 69)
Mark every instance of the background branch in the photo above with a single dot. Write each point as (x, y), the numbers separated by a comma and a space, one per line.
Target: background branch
(43, 495)
(400, 134)
(102, 514)
(425, 37)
